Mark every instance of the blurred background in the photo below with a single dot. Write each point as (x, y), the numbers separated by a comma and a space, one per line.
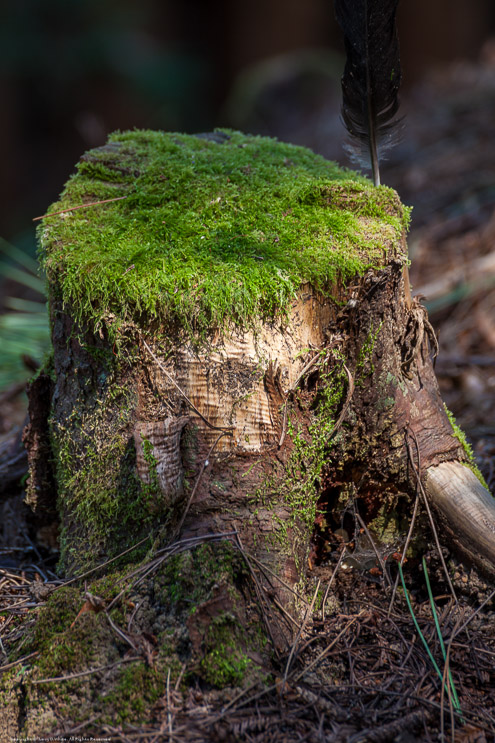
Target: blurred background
(70, 73)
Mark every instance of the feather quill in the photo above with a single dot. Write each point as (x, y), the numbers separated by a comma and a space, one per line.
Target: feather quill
(371, 79)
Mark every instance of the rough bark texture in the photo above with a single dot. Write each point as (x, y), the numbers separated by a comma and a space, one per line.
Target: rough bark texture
(397, 396)
(155, 460)
(41, 492)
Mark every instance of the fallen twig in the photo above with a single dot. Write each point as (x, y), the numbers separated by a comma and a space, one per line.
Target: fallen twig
(80, 206)
(428, 510)
(309, 611)
(89, 672)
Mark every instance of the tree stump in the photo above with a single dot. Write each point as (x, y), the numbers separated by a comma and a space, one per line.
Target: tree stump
(192, 320)
(232, 338)
(235, 350)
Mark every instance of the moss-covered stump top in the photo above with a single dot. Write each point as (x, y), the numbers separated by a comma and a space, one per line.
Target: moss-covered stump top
(213, 229)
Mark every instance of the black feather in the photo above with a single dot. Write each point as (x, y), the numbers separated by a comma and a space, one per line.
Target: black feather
(371, 78)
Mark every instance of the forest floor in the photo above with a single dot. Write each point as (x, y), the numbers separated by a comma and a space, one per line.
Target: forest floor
(363, 634)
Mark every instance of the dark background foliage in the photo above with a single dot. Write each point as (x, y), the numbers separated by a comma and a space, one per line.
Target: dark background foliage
(71, 72)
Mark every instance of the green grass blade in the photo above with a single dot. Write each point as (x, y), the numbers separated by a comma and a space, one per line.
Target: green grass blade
(19, 256)
(418, 628)
(455, 698)
(25, 305)
(22, 277)
(423, 639)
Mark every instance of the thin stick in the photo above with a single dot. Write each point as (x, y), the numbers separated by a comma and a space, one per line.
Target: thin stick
(264, 568)
(428, 510)
(190, 540)
(408, 538)
(247, 701)
(18, 662)
(447, 663)
(404, 552)
(158, 735)
(103, 564)
(286, 614)
(475, 649)
(332, 578)
(445, 685)
(450, 689)
(440, 637)
(260, 592)
(442, 677)
(169, 713)
(86, 673)
(307, 615)
(198, 479)
(81, 726)
(378, 556)
(469, 619)
(179, 677)
(328, 648)
(81, 206)
(120, 632)
(164, 555)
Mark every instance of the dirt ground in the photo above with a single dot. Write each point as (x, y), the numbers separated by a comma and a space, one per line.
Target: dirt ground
(363, 635)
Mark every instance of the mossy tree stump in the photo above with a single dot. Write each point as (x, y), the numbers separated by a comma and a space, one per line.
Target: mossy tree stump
(232, 337)
(191, 321)
(235, 346)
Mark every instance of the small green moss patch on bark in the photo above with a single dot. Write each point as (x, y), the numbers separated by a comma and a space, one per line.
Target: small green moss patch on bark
(468, 450)
(56, 616)
(295, 488)
(203, 589)
(189, 578)
(224, 664)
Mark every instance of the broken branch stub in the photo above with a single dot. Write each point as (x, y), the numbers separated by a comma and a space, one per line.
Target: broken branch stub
(467, 510)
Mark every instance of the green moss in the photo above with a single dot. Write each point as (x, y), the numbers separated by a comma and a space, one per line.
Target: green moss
(364, 364)
(269, 216)
(53, 618)
(79, 647)
(299, 484)
(225, 666)
(97, 483)
(224, 660)
(190, 577)
(137, 688)
(63, 638)
(151, 491)
(68, 642)
(211, 576)
(461, 438)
